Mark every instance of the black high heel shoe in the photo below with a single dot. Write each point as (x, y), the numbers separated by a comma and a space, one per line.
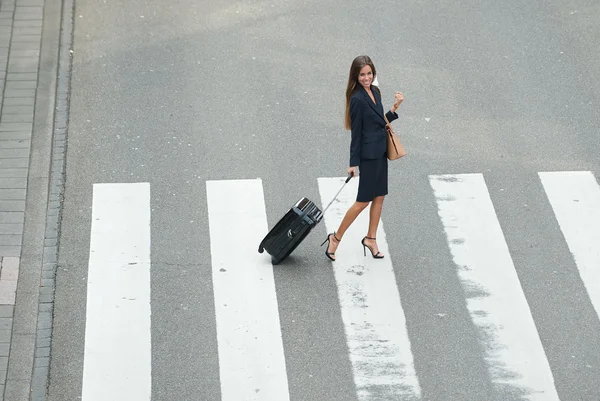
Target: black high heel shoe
(330, 254)
(377, 255)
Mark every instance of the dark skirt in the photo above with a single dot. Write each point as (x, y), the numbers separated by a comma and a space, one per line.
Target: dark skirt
(372, 179)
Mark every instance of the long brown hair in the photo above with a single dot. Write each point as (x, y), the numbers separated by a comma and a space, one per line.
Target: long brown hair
(358, 63)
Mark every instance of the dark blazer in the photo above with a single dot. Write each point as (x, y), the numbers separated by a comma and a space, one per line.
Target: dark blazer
(367, 126)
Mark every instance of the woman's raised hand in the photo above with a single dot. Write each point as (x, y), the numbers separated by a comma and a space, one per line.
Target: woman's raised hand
(398, 98)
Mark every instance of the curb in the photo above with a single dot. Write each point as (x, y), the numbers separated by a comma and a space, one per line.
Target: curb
(42, 356)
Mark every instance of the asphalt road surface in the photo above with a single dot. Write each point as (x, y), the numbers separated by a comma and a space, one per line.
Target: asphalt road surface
(195, 125)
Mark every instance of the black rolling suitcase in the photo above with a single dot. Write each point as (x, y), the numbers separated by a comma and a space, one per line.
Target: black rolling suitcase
(289, 232)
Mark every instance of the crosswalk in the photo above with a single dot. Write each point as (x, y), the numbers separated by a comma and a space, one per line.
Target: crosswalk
(251, 351)
(117, 362)
(496, 302)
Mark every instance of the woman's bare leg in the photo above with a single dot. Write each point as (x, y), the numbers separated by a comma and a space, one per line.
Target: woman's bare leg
(374, 216)
(348, 219)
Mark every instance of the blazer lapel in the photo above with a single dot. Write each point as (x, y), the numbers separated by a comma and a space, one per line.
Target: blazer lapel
(377, 107)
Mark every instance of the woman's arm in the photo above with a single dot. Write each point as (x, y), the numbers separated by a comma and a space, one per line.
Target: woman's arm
(356, 117)
(392, 115)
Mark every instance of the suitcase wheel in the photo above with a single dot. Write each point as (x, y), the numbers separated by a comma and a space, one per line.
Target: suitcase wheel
(261, 249)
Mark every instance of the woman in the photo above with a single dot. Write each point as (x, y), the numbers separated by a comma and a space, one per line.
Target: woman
(364, 118)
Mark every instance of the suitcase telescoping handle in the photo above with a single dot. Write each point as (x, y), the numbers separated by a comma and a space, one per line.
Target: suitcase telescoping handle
(338, 192)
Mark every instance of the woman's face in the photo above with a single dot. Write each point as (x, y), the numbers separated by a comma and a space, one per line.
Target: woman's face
(365, 76)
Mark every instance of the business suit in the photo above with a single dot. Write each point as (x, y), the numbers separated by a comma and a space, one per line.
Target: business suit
(369, 143)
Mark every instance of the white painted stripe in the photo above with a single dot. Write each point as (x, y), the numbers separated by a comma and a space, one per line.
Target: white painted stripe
(374, 321)
(117, 360)
(251, 358)
(495, 299)
(575, 199)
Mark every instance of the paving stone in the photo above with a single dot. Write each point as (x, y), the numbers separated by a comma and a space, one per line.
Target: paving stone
(12, 194)
(27, 23)
(5, 335)
(8, 291)
(13, 183)
(10, 250)
(44, 321)
(49, 255)
(6, 310)
(48, 274)
(11, 127)
(14, 153)
(49, 267)
(13, 163)
(4, 351)
(10, 239)
(22, 76)
(27, 93)
(41, 352)
(14, 143)
(42, 362)
(12, 218)
(27, 16)
(22, 68)
(51, 232)
(26, 38)
(21, 84)
(10, 268)
(28, 30)
(46, 333)
(35, 8)
(11, 263)
(23, 60)
(25, 53)
(15, 135)
(17, 118)
(25, 46)
(47, 283)
(45, 296)
(12, 206)
(38, 383)
(6, 110)
(19, 101)
(6, 323)
(45, 308)
(11, 229)
(50, 242)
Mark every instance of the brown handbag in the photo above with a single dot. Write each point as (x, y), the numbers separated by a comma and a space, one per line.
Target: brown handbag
(395, 149)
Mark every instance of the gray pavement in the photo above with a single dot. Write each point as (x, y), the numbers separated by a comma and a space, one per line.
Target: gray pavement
(182, 92)
(178, 94)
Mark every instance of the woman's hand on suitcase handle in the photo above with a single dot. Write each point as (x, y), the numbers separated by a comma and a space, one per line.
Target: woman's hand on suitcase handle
(352, 172)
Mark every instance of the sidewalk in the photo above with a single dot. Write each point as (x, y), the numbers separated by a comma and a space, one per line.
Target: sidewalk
(32, 147)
